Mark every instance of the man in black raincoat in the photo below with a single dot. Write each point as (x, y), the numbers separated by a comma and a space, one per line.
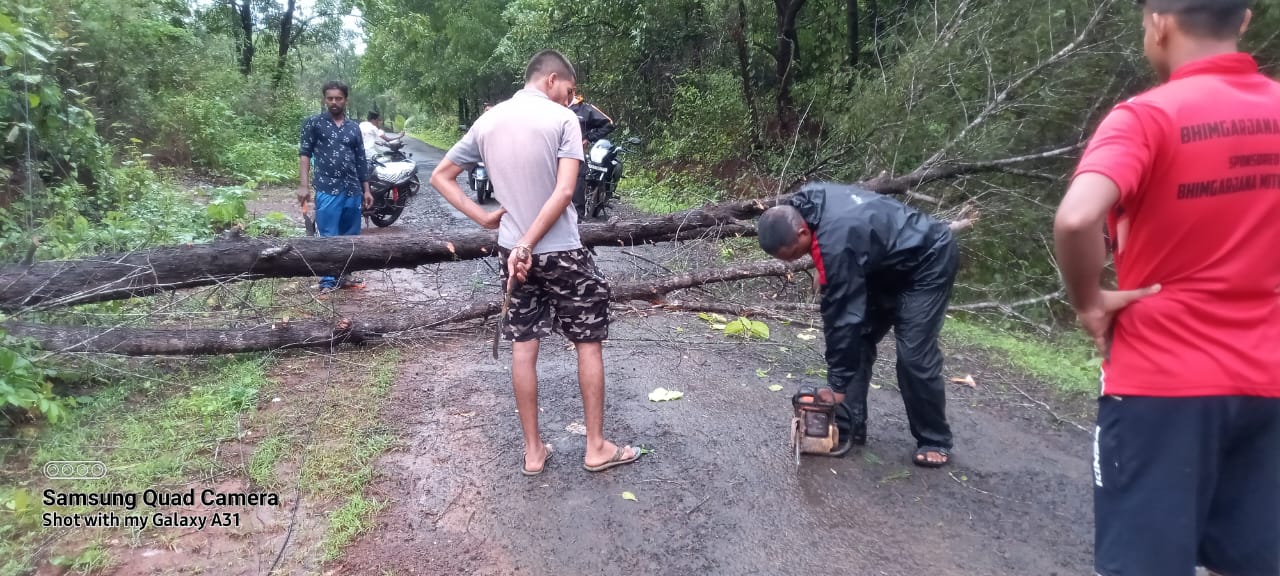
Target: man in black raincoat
(595, 125)
(881, 264)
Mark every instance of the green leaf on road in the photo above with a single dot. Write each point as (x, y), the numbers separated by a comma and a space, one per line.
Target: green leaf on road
(747, 328)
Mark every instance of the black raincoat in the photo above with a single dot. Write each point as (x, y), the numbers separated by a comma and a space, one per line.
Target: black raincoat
(595, 124)
(882, 264)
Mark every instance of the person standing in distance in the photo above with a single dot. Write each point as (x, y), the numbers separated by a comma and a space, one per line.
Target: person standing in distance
(332, 145)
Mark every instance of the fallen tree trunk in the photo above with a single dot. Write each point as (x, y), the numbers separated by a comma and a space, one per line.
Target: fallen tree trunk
(316, 333)
(120, 276)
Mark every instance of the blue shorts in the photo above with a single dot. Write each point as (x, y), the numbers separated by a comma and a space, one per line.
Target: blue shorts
(337, 215)
(1186, 482)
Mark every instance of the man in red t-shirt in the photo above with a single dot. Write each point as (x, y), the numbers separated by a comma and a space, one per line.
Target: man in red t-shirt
(1187, 177)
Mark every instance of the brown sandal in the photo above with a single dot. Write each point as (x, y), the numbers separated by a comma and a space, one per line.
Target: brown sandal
(528, 472)
(617, 460)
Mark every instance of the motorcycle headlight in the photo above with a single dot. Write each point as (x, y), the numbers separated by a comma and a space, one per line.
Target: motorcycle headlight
(598, 152)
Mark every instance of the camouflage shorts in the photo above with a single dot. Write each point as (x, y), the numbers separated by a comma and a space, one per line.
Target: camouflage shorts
(564, 291)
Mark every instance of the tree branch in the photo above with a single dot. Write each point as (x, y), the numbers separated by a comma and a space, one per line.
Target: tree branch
(920, 176)
(1008, 306)
(996, 104)
(278, 335)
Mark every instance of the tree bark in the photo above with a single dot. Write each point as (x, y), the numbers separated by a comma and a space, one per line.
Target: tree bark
(318, 333)
(874, 20)
(855, 46)
(120, 276)
(245, 10)
(787, 12)
(740, 33)
(286, 41)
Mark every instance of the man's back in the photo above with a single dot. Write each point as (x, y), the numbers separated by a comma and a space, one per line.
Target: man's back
(1199, 214)
(521, 141)
(888, 237)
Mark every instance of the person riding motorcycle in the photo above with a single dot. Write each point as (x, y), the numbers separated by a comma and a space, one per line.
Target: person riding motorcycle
(595, 125)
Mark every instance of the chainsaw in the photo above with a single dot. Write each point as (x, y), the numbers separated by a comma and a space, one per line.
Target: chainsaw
(813, 425)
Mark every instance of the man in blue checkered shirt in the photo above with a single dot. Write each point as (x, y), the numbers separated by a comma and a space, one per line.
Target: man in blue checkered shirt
(334, 144)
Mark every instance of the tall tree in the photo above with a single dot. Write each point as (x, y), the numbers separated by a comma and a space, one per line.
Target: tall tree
(851, 12)
(740, 35)
(284, 41)
(788, 52)
(244, 11)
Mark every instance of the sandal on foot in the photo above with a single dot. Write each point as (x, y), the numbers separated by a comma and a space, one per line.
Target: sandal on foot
(528, 472)
(921, 457)
(617, 460)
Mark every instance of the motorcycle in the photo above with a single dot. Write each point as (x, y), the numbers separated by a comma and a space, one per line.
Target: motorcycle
(393, 182)
(481, 184)
(604, 171)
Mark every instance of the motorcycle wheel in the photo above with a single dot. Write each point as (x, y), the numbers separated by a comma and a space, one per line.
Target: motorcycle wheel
(595, 200)
(386, 216)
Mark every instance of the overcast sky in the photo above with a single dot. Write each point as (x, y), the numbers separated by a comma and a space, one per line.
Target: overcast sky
(350, 22)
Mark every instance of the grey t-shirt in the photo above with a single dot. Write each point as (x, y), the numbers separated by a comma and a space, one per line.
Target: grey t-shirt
(521, 142)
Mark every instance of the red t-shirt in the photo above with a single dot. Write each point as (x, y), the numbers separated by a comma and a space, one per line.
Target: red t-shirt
(1197, 161)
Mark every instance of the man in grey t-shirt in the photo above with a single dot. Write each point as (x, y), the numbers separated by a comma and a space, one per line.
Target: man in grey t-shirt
(532, 146)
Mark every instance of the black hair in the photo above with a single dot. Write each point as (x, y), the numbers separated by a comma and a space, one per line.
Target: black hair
(778, 228)
(334, 85)
(548, 62)
(1213, 19)
(371, 116)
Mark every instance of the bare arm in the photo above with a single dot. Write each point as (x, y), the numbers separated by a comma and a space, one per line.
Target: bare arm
(521, 257)
(1077, 234)
(306, 146)
(445, 179)
(1078, 242)
(304, 178)
(566, 179)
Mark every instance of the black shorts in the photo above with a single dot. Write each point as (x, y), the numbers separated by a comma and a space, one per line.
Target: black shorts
(564, 291)
(1186, 482)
